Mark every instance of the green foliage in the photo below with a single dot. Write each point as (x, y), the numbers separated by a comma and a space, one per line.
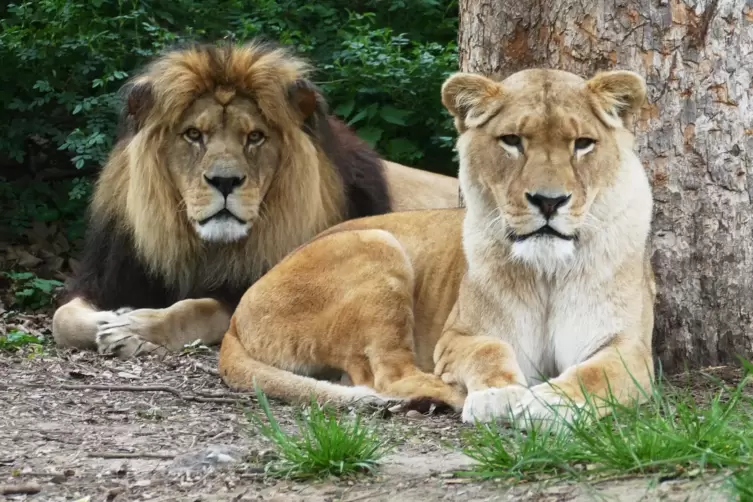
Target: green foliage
(29, 291)
(670, 434)
(16, 340)
(61, 201)
(381, 65)
(325, 445)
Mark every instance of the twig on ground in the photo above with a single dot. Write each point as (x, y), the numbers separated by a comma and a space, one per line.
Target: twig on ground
(28, 489)
(207, 369)
(144, 388)
(118, 454)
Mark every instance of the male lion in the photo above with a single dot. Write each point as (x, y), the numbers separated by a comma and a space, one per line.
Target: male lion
(229, 161)
(545, 274)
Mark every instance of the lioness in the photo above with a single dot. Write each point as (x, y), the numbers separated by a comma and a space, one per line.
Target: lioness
(545, 274)
(229, 160)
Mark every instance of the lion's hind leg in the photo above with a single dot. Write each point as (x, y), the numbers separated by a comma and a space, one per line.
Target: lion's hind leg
(343, 301)
(242, 371)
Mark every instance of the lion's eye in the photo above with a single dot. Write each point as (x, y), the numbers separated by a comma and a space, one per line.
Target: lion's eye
(192, 134)
(584, 144)
(512, 140)
(255, 138)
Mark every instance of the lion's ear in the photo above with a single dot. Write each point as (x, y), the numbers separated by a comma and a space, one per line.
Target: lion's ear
(619, 94)
(139, 101)
(472, 99)
(304, 97)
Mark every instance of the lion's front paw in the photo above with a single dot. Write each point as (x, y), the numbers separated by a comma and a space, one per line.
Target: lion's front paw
(545, 407)
(123, 337)
(493, 403)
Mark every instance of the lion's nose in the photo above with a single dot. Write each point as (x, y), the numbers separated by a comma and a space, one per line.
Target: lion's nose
(547, 205)
(225, 184)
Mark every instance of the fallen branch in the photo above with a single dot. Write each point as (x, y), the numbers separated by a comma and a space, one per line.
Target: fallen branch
(118, 454)
(28, 489)
(144, 388)
(207, 369)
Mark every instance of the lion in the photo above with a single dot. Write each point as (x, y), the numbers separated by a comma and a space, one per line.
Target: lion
(539, 291)
(228, 160)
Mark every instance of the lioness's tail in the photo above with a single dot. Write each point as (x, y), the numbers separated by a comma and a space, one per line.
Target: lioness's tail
(239, 370)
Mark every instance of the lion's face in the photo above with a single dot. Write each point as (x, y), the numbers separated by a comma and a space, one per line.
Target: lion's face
(222, 156)
(538, 148)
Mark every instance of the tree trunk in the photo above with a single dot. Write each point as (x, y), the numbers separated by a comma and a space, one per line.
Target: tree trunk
(694, 136)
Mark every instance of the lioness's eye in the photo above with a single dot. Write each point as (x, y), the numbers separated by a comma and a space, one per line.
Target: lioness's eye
(192, 134)
(584, 143)
(511, 140)
(255, 137)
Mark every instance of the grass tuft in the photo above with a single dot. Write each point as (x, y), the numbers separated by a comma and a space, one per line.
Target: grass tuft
(670, 434)
(326, 445)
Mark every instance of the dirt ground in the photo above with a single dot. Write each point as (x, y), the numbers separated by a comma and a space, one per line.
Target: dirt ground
(71, 430)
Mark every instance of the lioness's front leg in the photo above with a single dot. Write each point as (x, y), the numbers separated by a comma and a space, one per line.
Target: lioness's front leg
(485, 366)
(620, 372)
(160, 330)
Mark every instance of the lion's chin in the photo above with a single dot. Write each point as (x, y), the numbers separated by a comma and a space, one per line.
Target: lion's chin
(544, 253)
(222, 230)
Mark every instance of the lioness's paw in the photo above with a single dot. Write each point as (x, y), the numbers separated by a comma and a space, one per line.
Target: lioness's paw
(122, 338)
(492, 404)
(545, 407)
(362, 396)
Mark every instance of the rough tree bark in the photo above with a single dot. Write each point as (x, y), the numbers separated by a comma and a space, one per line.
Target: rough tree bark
(695, 138)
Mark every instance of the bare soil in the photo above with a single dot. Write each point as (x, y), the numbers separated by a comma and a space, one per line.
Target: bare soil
(78, 426)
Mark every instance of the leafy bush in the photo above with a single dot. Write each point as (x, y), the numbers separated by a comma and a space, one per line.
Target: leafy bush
(29, 291)
(16, 340)
(381, 65)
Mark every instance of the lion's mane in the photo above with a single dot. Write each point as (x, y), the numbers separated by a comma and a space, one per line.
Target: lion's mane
(140, 250)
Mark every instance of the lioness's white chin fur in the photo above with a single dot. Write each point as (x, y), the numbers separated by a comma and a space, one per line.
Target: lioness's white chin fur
(543, 253)
(223, 231)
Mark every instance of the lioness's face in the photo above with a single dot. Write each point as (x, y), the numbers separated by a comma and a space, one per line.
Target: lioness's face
(223, 156)
(537, 148)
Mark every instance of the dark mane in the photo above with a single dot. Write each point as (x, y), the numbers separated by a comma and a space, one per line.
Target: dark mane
(359, 166)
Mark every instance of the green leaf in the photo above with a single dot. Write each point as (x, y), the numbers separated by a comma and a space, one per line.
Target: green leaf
(345, 109)
(357, 117)
(400, 147)
(370, 135)
(394, 115)
(19, 276)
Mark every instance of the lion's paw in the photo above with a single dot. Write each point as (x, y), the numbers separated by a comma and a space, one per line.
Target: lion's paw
(492, 404)
(362, 396)
(544, 407)
(121, 337)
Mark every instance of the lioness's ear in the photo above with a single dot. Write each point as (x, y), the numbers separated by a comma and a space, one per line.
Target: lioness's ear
(139, 101)
(619, 94)
(304, 97)
(472, 99)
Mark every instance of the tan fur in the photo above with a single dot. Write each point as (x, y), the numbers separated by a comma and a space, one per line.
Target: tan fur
(154, 185)
(401, 300)
(412, 188)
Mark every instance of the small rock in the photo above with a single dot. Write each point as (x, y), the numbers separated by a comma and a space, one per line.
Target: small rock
(58, 478)
(415, 415)
(211, 456)
(114, 492)
(130, 376)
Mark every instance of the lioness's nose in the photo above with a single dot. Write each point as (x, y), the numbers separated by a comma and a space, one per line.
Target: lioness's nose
(225, 184)
(547, 205)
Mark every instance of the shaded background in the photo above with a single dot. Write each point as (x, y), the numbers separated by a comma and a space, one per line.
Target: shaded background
(380, 62)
